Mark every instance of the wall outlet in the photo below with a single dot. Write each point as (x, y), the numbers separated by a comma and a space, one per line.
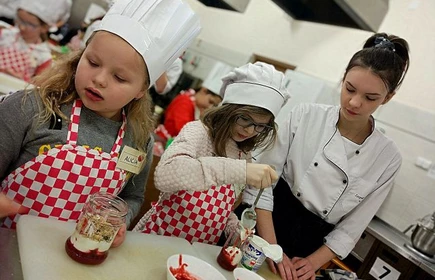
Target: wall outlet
(423, 163)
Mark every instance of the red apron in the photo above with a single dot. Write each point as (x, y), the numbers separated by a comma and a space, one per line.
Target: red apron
(193, 215)
(57, 183)
(18, 58)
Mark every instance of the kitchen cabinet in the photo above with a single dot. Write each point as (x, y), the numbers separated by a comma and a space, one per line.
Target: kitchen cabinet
(363, 246)
(420, 274)
(380, 255)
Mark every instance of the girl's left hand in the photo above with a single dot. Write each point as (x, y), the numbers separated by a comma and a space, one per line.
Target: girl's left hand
(9, 207)
(304, 268)
(120, 236)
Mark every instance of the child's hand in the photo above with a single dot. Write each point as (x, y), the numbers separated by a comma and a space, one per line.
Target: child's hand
(260, 175)
(120, 236)
(232, 224)
(8, 206)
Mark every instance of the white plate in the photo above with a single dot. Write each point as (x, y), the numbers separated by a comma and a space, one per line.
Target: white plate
(244, 274)
(197, 267)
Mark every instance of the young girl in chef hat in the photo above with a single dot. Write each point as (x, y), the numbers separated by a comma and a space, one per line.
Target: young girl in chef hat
(24, 51)
(86, 128)
(205, 169)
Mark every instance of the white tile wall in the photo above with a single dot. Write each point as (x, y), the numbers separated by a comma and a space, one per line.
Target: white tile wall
(413, 195)
(201, 56)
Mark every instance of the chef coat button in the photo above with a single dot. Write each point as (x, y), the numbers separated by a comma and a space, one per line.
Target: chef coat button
(357, 152)
(325, 212)
(315, 164)
(298, 194)
(344, 181)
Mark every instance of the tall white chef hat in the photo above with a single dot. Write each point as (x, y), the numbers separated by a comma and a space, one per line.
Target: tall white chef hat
(257, 84)
(43, 9)
(213, 81)
(159, 30)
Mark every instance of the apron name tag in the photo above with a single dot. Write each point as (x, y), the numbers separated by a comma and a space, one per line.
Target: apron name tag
(131, 160)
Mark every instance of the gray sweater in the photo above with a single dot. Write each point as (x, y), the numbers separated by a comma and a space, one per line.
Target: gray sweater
(22, 138)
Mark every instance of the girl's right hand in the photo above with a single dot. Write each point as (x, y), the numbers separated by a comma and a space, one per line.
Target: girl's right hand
(260, 175)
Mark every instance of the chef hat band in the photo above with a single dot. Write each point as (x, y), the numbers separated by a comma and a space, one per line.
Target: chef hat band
(257, 85)
(159, 30)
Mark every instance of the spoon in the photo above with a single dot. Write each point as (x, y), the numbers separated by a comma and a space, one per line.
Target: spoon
(249, 216)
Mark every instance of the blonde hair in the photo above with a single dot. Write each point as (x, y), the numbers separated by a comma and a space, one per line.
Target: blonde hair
(56, 87)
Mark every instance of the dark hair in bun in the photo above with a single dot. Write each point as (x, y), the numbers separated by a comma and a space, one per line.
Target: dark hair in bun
(386, 56)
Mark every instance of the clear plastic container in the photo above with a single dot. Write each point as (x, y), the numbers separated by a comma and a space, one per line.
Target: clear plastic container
(101, 218)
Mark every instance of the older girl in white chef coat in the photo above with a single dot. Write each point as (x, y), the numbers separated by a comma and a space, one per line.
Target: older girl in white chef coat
(336, 167)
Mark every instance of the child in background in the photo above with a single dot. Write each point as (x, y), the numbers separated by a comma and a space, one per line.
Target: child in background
(187, 106)
(24, 51)
(86, 128)
(205, 169)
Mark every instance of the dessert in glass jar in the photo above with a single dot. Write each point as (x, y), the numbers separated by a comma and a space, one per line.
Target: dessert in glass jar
(231, 253)
(101, 218)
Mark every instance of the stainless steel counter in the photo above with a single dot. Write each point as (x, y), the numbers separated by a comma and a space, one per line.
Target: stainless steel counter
(396, 240)
(10, 265)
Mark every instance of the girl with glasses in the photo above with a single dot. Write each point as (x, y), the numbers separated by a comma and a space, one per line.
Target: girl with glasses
(204, 171)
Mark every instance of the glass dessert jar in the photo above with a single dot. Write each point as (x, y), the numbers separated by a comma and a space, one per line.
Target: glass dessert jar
(231, 253)
(101, 218)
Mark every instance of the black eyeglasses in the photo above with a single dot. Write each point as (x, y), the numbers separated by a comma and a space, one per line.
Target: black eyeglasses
(246, 122)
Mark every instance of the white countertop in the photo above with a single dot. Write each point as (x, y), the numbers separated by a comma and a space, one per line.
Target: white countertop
(10, 267)
(40, 254)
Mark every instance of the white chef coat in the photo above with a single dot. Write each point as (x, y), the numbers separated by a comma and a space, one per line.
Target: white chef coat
(173, 74)
(310, 155)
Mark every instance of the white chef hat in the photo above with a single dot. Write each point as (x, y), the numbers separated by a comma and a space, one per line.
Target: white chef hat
(159, 30)
(43, 9)
(213, 81)
(257, 84)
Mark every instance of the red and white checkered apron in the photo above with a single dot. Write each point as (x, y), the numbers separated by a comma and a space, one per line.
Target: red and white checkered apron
(57, 183)
(193, 215)
(18, 58)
